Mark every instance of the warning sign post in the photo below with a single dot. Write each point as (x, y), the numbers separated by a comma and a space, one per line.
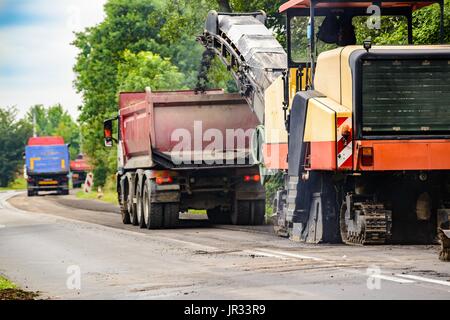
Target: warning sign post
(89, 182)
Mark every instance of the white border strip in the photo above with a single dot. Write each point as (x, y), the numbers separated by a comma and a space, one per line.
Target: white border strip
(408, 276)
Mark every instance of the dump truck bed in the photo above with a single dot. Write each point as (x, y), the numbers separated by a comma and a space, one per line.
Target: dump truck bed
(184, 128)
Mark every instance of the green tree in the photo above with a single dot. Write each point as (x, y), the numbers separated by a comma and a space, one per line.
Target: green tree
(131, 25)
(145, 69)
(13, 138)
(394, 30)
(133, 43)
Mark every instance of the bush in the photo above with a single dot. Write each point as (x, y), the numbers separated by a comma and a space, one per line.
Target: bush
(273, 184)
(100, 175)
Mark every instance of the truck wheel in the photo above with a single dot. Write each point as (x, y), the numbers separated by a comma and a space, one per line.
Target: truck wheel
(241, 214)
(249, 213)
(125, 215)
(153, 212)
(171, 215)
(31, 193)
(140, 211)
(132, 209)
(258, 212)
(216, 216)
(65, 192)
(124, 209)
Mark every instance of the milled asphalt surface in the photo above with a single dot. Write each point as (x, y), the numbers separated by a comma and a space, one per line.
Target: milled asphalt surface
(44, 237)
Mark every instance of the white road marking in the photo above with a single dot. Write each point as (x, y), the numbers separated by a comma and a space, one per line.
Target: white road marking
(265, 254)
(4, 196)
(391, 278)
(2, 226)
(290, 254)
(444, 283)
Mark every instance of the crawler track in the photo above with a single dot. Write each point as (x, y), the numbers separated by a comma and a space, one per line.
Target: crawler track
(371, 224)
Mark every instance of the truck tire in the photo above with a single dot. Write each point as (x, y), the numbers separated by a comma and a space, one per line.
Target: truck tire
(31, 193)
(132, 207)
(249, 213)
(65, 192)
(124, 208)
(216, 216)
(153, 213)
(241, 214)
(171, 215)
(125, 215)
(259, 212)
(140, 211)
(156, 216)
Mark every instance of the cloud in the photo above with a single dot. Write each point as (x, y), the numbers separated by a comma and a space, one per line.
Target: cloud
(36, 58)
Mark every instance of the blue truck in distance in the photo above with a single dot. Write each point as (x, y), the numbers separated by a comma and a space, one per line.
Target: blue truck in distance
(47, 165)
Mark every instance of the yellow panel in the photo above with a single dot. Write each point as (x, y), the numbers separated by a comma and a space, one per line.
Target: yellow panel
(343, 111)
(327, 79)
(293, 82)
(346, 74)
(273, 114)
(320, 123)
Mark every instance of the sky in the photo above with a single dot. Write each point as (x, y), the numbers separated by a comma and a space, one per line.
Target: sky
(36, 58)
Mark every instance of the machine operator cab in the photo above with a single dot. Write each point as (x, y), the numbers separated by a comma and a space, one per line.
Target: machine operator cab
(343, 23)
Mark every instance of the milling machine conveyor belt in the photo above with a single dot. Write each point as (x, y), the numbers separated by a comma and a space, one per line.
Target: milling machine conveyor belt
(250, 51)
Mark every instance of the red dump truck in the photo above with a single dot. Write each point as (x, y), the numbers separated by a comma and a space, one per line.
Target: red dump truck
(180, 150)
(79, 168)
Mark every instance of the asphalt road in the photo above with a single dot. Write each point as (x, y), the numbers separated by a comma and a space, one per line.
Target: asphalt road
(45, 243)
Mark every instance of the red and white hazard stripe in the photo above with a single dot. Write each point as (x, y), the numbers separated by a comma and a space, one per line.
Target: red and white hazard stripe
(88, 183)
(344, 143)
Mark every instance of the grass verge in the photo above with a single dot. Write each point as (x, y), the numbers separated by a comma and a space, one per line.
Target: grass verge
(107, 196)
(109, 193)
(18, 184)
(9, 291)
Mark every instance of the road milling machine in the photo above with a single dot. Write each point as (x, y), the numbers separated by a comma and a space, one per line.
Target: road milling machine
(361, 132)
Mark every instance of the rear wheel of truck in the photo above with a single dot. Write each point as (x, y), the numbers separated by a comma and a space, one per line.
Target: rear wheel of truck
(140, 210)
(124, 208)
(125, 215)
(249, 213)
(241, 213)
(31, 193)
(171, 215)
(132, 208)
(152, 212)
(217, 216)
(259, 212)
